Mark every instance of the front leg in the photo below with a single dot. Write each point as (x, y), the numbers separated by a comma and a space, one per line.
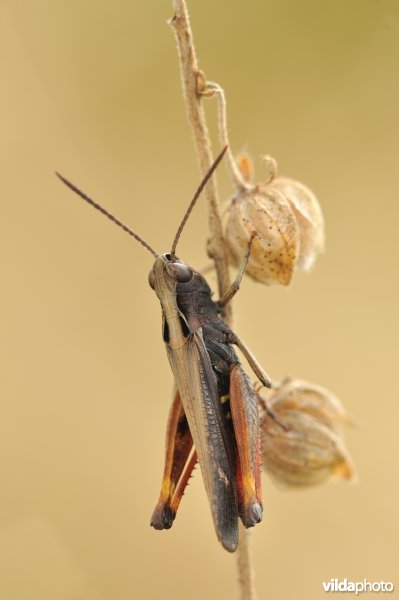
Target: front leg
(235, 286)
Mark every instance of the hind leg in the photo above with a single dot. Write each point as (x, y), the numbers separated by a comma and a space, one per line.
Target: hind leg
(178, 466)
(245, 415)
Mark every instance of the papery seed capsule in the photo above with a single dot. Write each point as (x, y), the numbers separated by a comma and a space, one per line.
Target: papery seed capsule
(310, 220)
(275, 248)
(296, 394)
(306, 453)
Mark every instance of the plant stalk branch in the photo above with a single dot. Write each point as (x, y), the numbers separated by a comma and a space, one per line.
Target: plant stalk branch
(193, 81)
(246, 571)
(194, 86)
(216, 90)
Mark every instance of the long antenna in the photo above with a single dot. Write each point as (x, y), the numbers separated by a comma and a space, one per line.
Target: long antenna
(194, 200)
(106, 213)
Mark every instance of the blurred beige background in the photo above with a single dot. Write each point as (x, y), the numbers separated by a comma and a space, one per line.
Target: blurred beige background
(92, 89)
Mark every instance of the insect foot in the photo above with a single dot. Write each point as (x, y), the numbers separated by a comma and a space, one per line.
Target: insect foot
(162, 518)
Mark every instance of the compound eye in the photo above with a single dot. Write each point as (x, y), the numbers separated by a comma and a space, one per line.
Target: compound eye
(182, 273)
(151, 279)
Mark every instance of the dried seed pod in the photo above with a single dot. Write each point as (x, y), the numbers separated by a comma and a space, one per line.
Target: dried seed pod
(309, 449)
(296, 394)
(306, 453)
(274, 250)
(310, 220)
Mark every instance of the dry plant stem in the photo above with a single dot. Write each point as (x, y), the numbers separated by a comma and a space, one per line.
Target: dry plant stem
(193, 83)
(246, 573)
(245, 568)
(238, 180)
(192, 80)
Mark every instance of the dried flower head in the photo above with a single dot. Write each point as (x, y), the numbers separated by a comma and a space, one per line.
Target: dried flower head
(307, 211)
(275, 247)
(317, 401)
(287, 218)
(304, 446)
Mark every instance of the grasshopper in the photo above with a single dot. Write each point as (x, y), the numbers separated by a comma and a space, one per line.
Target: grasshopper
(214, 416)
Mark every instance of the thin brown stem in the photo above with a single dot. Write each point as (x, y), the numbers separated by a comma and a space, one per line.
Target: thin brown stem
(194, 86)
(193, 81)
(246, 571)
(236, 176)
